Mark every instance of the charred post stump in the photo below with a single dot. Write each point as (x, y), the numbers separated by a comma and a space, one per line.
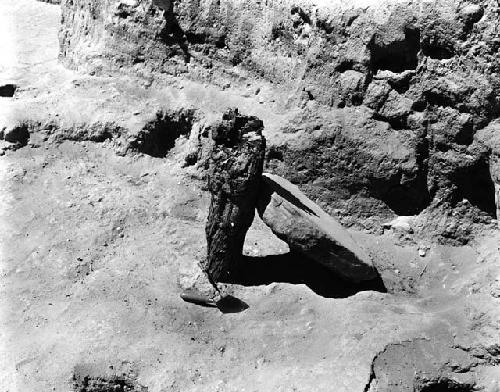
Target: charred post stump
(234, 176)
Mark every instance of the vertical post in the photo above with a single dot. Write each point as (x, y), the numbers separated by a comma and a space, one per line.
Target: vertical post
(234, 176)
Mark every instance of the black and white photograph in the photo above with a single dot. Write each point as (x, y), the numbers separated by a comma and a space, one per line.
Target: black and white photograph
(249, 195)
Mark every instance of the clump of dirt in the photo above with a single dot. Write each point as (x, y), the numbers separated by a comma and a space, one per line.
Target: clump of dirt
(106, 384)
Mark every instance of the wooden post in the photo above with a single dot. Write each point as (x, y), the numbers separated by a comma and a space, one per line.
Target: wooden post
(234, 176)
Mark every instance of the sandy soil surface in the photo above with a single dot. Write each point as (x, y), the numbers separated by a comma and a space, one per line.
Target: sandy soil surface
(92, 245)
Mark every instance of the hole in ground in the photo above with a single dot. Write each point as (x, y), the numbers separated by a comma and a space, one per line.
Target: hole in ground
(8, 90)
(297, 269)
(158, 137)
(19, 135)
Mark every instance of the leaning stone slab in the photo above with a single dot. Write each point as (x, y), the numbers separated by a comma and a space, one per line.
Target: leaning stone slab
(311, 231)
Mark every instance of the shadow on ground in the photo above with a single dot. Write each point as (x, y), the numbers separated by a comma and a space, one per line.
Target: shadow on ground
(297, 269)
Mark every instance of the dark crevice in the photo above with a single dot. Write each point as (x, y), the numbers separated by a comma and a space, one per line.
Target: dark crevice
(172, 33)
(8, 90)
(404, 200)
(124, 11)
(344, 65)
(357, 99)
(295, 268)
(397, 56)
(371, 379)
(396, 123)
(439, 99)
(437, 52)
(466, 134)
(218, 41)
(411, 198)
(351, 20)
(474, 183)
(191, 159)
(419, 105)
(422, 157)
(303, 17)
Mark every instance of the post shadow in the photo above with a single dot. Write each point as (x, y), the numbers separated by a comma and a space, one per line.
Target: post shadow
(295, 268)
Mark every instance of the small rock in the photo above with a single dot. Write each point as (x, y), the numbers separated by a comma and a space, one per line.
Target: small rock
(401, 224)
(422, 252)
(192, 278)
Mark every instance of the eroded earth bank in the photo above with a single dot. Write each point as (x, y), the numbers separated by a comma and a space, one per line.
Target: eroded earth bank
(385, 114)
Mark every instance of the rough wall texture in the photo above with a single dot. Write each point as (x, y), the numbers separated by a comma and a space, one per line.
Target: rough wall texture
(391, 93)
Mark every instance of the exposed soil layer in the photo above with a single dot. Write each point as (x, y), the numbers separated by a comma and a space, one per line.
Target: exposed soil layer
(412, 83)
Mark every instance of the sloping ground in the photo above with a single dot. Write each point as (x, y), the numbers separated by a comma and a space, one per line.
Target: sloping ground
(93, 243)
